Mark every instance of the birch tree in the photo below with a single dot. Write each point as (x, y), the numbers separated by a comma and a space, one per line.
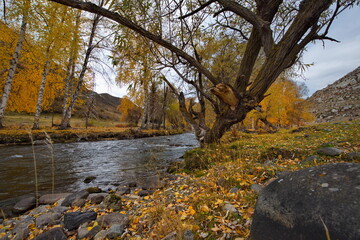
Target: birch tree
(65, 123)
(15, 59)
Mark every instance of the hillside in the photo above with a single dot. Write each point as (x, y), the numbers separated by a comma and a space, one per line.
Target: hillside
(106, 106)
(338, 101)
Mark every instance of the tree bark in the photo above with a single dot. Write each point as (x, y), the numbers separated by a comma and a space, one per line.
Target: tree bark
(70, 70)
(41, 91)
(13, 65)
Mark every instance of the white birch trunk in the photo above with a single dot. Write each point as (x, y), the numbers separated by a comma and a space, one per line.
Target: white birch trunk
(13, 65)
(41, 93)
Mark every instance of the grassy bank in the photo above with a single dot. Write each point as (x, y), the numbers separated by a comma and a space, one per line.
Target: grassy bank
(217, 198)
(18, 128)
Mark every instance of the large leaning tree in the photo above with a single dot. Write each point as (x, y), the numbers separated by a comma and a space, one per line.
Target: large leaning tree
(274, 34)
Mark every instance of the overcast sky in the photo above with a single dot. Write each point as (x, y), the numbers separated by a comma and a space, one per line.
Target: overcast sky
(330, 62)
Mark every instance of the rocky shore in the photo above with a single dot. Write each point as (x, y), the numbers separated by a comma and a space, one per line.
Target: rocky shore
(86, 214)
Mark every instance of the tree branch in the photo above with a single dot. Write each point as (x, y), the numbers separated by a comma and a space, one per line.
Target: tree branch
(198, 9)
(93, 8)
(263, 27)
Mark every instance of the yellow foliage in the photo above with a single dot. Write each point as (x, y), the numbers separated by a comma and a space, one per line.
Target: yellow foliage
(25, 87)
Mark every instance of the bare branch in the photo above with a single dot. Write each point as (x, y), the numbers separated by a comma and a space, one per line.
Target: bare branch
(263, 27)
(198, 9)
(213, 103)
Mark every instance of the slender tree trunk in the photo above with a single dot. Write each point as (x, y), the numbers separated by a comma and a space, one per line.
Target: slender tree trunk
(41, 91)
(65, 123)
(13, 65)
(70, 71)
(164, 105)
(145, 118)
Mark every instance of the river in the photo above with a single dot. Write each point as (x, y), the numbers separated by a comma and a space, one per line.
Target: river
(113, 163)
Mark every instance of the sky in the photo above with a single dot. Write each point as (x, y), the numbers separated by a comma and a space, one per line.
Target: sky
(331, 61)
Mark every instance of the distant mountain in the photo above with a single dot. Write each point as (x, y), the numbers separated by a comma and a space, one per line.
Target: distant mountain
(338, 101)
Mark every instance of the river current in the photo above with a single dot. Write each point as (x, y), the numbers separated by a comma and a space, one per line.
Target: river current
(113, 163)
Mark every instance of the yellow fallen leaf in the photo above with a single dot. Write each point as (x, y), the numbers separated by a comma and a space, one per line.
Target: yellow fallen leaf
(205, 208)
(191, 210)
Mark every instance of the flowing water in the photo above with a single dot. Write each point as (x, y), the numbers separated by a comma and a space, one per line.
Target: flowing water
(113, 163)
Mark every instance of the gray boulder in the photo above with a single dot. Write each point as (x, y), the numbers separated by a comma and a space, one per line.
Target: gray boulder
(300, 205)
(24, 205)
(53, 234)
(113, 218)
(73, 197)
(52, 198)
(96, 198)
(329, 151)
(47, 219)
(115, 231)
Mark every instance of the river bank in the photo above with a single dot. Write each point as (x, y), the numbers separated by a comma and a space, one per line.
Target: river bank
(22, 137)
(212, 200)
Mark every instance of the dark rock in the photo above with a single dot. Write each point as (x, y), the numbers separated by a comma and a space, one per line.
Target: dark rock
(72, 197)
(353, 156)
(113, 218)
(52, 198)
(94, 190)
(221, 182)
(144, 193)
(93, 232)
(329, 151)
(59, 209)
(21, 230)
(24, 205)
(82, 231)
(281, 174)
(188, 235)
(73, 220)
(78, 203)
(1, 220)
(298, 205)
(234, 190)
(309, 159)
(115, 231)
(132, 184)
(53, 234)
(179, 209)
(89, 179)
(39, 210)
(152, 182)
(100, 235)
(47, 219)
(96, 198)
(123, 190)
